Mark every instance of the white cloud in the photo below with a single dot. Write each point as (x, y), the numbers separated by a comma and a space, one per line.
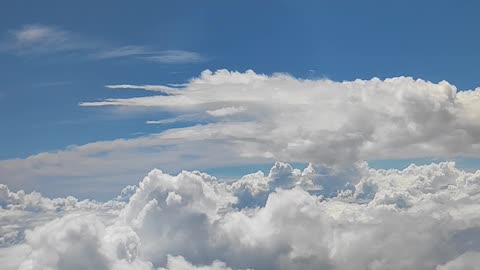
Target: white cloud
(114, 164)
(142, 52)
(338, 213)
(257, 119)
(35, 33)
(37, 39)
(226, 111)
(175, 57)
(163, 121)
(122, 52)
(179, 263)
(422, 217)
(43, 39)
(20, 211)
(323, 120)
(159, 88)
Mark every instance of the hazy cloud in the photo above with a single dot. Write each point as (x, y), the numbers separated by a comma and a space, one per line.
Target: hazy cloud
(39, 39)
(42, 39)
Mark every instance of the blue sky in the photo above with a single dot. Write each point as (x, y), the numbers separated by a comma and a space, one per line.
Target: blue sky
(165, 42)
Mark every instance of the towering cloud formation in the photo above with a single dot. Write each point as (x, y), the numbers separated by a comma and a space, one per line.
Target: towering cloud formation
(322, 120)
(422, 217)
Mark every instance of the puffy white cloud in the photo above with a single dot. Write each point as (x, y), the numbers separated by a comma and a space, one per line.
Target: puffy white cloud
(324, 217)
(322, 120)
(20, 211)
(249, 118)
(82, 242)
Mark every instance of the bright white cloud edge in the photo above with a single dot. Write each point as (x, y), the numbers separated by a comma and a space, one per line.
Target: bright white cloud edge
(323, 120)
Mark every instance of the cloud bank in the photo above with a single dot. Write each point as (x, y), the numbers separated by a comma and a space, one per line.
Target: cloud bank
(322, 121)
(322, 217)
(337, 213)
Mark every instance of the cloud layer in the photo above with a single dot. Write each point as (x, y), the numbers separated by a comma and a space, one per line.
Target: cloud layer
(337, 213)
(247, 118)
(422, 217)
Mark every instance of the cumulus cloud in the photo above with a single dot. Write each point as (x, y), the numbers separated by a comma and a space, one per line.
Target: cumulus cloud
(337, 213)
(325, 121)
(235, 119)
(322, 217)
(20, 211)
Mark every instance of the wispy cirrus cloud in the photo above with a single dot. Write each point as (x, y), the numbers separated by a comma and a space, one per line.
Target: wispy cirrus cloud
(148, 54)
(40, 40)
(175, 56)
(147, 87)
(123, 51)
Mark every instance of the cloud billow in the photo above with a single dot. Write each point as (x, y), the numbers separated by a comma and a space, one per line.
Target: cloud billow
(337, 213)
(416, 218)
(236, 119)
(322, 121)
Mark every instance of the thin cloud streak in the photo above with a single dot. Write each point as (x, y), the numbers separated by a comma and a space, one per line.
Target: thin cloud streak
(176, 57)
(38, 40)
(147, 87)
